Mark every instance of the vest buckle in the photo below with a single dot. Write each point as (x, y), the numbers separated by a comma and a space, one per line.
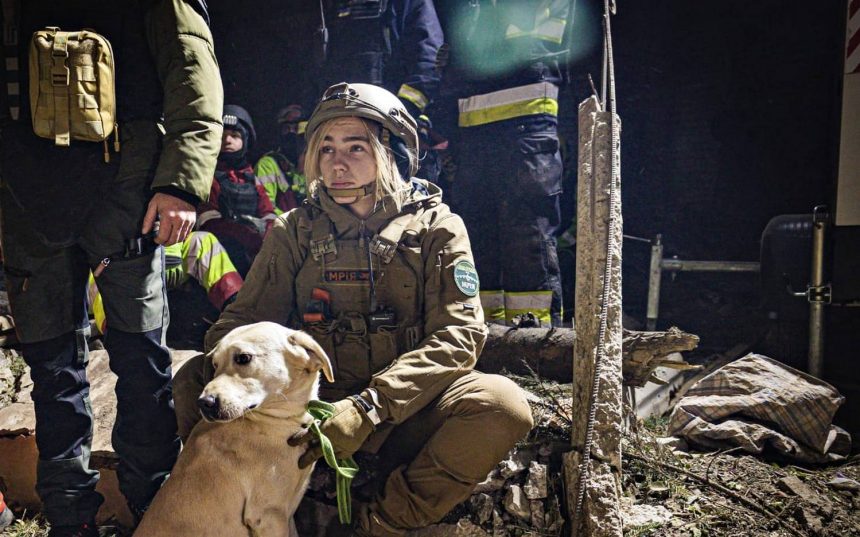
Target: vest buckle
(321, 247)
(383, 248)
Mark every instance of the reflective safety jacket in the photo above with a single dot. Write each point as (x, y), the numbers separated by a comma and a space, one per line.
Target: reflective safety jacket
(505, 58)
(284, 186)
(390, 43)
(418, 330)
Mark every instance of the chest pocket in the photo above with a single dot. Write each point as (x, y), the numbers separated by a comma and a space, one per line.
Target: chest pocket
(333, 290)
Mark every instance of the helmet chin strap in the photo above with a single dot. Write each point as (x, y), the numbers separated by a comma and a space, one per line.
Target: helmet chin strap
(358, 192)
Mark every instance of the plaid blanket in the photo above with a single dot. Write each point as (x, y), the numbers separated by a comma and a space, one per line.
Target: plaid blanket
(757, 402)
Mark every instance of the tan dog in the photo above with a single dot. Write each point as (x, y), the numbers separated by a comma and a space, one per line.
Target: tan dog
(238, 477)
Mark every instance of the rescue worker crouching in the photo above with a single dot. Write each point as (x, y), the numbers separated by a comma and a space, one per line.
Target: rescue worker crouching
(380, 272)
(239, 211)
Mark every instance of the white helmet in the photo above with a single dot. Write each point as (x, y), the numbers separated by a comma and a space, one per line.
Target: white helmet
(369, 102)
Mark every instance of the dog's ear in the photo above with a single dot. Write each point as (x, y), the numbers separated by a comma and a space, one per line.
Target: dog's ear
(318, 356)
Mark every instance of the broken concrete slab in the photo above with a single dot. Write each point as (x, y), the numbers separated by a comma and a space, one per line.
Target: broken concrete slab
(536, 485)
(516, 503)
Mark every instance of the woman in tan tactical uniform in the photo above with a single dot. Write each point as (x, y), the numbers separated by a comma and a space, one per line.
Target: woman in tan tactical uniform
(380, 272)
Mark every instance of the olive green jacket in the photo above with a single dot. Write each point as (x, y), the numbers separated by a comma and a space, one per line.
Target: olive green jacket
(453, 321)
(184, 55)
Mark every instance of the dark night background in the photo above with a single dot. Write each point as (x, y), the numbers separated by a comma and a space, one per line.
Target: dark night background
(730, 112)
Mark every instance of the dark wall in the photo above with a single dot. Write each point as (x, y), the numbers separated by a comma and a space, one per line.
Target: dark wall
(730, 113)
(730, 108)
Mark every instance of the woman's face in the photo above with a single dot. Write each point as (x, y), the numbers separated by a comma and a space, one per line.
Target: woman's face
(347, 161)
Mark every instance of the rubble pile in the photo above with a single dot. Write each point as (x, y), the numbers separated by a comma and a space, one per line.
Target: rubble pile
(727, 493)
(11, 370)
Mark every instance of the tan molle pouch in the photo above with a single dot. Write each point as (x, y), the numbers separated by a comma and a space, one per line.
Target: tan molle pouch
(72, 87)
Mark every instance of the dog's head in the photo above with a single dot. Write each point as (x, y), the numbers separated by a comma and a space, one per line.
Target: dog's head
(262, 362)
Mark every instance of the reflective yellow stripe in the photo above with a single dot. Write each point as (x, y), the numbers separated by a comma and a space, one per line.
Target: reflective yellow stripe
(205, 259)
(493, 304)
(539, 98)
(97, 307)
(414, 96)
(302, 127)
(508, 111)
(536, 302)
(551, 29)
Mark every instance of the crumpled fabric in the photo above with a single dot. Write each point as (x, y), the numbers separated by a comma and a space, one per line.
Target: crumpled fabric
(756, 403)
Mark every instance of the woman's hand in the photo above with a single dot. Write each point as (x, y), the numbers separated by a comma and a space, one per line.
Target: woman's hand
(347, 428)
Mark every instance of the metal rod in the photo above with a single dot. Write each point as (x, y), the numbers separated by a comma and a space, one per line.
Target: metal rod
(685, 265)
(654, 275)
(817, 300)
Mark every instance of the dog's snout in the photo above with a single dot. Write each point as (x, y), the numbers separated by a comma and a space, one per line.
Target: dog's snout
(208, 405)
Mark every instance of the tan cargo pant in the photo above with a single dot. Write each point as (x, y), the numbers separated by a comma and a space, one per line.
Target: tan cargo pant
(440, 453)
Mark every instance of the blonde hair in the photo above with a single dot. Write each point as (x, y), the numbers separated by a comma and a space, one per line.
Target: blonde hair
(388, 179)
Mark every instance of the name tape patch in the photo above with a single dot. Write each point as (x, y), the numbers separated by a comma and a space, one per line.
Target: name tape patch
(347, 276)
(466, 278)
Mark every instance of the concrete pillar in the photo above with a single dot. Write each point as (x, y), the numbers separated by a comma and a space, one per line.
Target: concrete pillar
(599, 511)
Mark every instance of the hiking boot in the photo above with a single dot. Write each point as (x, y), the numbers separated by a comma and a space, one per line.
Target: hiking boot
(87, 529)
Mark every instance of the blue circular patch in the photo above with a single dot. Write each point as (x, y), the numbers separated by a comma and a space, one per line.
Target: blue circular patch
(466, 278)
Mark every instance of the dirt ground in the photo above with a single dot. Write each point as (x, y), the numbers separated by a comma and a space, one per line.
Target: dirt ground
(668, 491)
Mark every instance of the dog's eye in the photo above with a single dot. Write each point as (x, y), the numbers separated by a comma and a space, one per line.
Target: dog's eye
(243, 358)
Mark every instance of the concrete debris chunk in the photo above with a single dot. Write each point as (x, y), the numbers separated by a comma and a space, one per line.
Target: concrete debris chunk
(537, 511)
(516, 503)
(794, 486)
(499, 525)
(643, 515)
(494, 482)
(822, 504)
(844, 483)
(536, 486)
(516, 463)
(482, 505)
(674, 443)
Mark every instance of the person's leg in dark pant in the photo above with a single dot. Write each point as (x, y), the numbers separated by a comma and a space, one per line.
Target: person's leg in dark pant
(144, 435)
(480, 194)
(64, 429)
(532, 277)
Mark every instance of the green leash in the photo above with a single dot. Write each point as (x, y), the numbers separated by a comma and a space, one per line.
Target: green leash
(345, 469)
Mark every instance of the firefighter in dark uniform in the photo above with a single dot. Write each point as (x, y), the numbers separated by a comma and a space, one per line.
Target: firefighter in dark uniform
(65, 211)
(380, 273)
(389, 43)
(506, 77)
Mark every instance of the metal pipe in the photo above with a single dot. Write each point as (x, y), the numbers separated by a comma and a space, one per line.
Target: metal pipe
(684, 265)
(654, 275)
(818, 294)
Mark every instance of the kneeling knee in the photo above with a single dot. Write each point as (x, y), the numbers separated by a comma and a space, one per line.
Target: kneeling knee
(507, 403)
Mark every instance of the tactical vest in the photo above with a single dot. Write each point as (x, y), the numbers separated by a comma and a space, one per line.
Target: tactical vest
(237, 199)
(358, 346)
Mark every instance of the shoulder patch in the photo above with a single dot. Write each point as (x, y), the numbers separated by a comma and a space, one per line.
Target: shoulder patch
(466, 278)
